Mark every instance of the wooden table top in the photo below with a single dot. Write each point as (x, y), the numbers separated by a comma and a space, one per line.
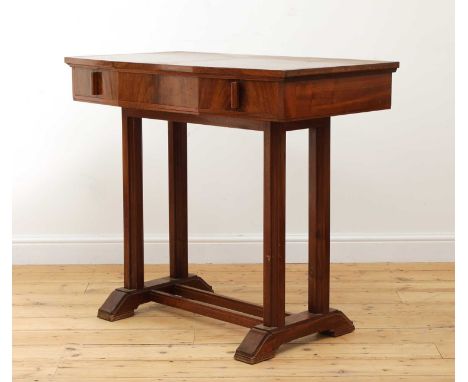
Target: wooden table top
(233, 64)
(263, 88)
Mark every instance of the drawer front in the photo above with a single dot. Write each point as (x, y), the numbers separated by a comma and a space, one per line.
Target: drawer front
(95, 85)
(335, 96)
(254, 98)
(158, 91)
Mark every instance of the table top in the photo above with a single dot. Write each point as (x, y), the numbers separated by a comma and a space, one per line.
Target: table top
(225, 64)
(265, 88)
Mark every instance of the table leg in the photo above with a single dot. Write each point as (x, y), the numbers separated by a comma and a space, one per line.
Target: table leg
(192, 293)
(274, 206)
(253, 348)
(178, 236)
(279, 327)
(178, 230)
(319, 218)
(122, 302)
(133, 202)
(319, 228)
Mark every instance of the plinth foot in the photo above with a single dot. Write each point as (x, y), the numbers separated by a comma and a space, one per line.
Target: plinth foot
(262, 342)
(122, 302)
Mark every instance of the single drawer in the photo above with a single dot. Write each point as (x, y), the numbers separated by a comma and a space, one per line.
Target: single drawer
(158, 91)
(96, 85)
(254, 98)
(323, 97)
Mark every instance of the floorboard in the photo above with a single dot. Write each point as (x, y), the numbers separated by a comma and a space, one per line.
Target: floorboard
(404, 317)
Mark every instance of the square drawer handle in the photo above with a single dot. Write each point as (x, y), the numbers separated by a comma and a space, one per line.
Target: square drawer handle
(235, 95)
(96, 83)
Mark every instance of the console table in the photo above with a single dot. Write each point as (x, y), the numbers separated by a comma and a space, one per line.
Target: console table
(272, 95)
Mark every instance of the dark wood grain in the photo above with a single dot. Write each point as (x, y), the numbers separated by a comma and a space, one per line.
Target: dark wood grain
(177, 91)
(122, 302)
(138, 88)
(178, 230)
(323, 97)
(261, 342)
(160, 92)
(277, 89)
(274, 231)
(205, 309)
(84, 81)
(132, 202)
(235, 90)
(219, 300)
(319, 217)
(272, 95)
(220, 64)
(224, 121)
(203, 119)
(96, 79)
(254, 99)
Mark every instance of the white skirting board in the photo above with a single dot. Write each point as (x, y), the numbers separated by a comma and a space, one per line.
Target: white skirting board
(227, 249)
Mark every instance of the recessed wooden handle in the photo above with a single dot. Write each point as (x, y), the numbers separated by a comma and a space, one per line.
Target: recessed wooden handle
(235, 95)
(96, 83)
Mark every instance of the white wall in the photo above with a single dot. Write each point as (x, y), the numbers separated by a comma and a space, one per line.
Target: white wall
(392, 171)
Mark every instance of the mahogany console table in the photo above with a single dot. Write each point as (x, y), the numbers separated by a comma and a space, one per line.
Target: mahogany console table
(272, 95)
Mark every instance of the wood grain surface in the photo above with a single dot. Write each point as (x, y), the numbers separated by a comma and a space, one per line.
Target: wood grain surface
(264, 88)
(221, 63)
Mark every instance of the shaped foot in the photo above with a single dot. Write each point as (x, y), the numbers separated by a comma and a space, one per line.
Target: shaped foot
(122, 303)
(342, 325)
(257, 346)
(261, 342)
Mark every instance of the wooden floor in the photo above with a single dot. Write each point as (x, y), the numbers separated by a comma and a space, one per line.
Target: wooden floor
(404, 317)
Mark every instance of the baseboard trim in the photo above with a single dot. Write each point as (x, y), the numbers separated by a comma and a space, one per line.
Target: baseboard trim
(235, 248)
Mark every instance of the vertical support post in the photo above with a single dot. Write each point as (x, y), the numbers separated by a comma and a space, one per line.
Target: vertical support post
(319, 217)
(274, 230)
(132, 202)
(178, 231)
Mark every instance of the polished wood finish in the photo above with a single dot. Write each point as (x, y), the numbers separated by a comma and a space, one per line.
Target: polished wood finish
(133, 202)
(161, 92)
(323, 97)
(212, 120)
(319, 217)
(84, 81)
(274, 221)
(227, 65)
(122, 302)
(224, 121)
(209, 310)
(96, 78)
(235, 95)
(272, 95)
(255, 87)
(262, 341)
(178, 230)
(253, 99)
(219, 300)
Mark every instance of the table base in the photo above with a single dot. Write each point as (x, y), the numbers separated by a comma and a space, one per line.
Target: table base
(195, 295)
